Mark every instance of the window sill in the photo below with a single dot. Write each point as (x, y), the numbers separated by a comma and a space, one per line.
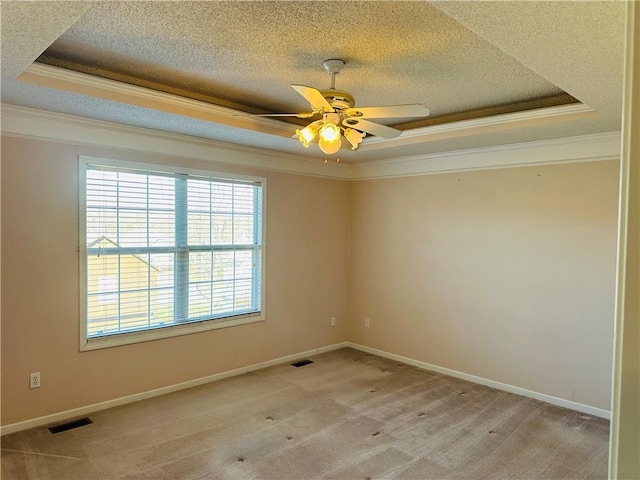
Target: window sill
(166, 332)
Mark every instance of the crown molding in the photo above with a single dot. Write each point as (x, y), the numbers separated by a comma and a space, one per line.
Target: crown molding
(483, 125)
(85, 84)
(62, 128)
(583, 148)
(82, 83)
(70, 129)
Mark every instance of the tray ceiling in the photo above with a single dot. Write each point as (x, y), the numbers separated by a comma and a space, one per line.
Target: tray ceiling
(472, 62)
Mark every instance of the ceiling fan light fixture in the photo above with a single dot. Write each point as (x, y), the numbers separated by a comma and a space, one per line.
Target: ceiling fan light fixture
(329, 132)
(329, 148)
(354, 137)
(307, 134)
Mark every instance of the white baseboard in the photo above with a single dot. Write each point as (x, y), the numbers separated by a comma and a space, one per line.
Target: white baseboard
(561, 402)
(95, 407)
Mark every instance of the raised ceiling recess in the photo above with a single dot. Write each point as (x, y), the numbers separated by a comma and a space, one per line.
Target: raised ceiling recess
(207, 68)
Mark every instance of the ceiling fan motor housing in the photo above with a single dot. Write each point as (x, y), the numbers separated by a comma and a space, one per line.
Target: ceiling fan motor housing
(338, 98)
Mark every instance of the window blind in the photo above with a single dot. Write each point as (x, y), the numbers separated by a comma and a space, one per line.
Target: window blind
(165, 249)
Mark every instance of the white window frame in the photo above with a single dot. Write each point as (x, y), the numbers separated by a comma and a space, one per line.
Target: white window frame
(172, 330)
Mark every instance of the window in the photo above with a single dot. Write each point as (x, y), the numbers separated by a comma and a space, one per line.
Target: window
(167, 251)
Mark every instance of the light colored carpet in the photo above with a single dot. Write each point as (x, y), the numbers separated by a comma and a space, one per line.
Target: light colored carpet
(349, 415)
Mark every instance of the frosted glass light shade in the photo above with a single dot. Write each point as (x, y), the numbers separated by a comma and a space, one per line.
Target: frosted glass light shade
(330, 132)
(329, 148)
(306, 134)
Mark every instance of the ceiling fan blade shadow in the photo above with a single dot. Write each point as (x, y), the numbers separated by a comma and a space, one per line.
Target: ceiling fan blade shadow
(314, 97)
(371, 128)
(390, 111)
(299, 115)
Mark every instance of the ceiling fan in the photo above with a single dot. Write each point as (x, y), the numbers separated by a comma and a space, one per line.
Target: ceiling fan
(340, 116)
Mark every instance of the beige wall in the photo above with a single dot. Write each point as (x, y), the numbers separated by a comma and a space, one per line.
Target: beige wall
(505, 274)
(306, 261)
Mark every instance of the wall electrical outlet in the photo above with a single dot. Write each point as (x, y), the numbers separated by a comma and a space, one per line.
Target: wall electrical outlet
(34, 380)
(333, 321)
(367, 322)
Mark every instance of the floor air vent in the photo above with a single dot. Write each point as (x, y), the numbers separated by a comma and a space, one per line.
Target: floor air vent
(70, 425)
(301, 363)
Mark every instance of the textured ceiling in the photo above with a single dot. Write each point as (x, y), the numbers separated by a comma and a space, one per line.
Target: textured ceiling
(231, 54)
(460, 59)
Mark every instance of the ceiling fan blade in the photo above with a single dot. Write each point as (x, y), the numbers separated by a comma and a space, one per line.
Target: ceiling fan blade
(314, 97)
(391, 111)
(371, 127)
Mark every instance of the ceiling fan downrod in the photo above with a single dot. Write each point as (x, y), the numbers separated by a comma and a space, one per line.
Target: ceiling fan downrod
(333, 66)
